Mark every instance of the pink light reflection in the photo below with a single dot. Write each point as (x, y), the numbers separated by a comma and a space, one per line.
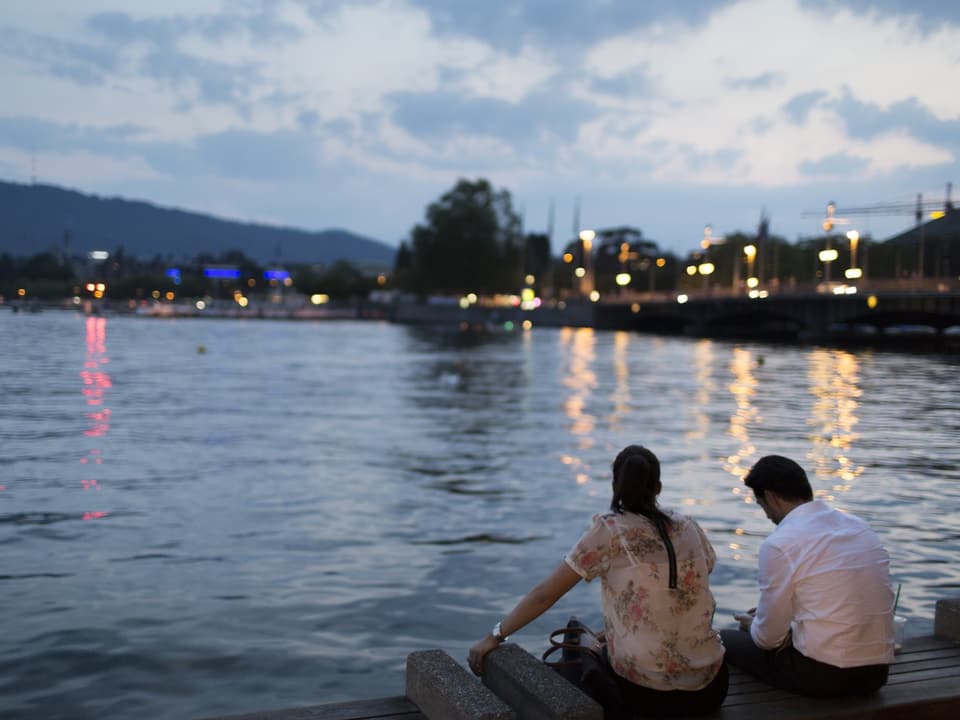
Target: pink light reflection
(95, 384)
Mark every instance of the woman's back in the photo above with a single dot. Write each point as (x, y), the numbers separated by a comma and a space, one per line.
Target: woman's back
(658, 624)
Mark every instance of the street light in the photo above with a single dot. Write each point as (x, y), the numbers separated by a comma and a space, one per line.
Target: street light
(826, 257)
(706, 270)
(586, 282)
(751, 253)
(854, 272)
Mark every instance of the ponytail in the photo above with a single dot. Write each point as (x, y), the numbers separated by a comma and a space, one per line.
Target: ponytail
(636, 484)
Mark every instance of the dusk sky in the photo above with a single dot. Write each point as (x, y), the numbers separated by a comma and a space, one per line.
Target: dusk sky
(665, 115)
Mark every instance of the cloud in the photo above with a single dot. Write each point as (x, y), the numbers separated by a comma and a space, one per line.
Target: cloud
(77, 62)
(695, 93)
(767, 96)
(560, 24)
(927, 15)
(261, 156)
(763, 81)
(798, 107)
(868, 120)
(834, 165)
(39, 135)
(445, 114)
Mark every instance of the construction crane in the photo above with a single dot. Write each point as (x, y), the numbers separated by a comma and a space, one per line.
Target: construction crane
(919, 209)
(834, 215)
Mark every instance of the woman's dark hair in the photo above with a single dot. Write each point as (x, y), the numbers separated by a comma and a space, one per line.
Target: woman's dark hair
(781, 475)
(636, 483)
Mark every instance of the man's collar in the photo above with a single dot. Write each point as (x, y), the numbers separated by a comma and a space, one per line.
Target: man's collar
(802, 510)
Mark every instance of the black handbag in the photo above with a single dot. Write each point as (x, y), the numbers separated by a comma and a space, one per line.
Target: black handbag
(589, 670)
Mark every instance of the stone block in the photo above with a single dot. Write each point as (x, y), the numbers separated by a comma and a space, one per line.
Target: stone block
(533, 690)
(946, 619)
(444, 690)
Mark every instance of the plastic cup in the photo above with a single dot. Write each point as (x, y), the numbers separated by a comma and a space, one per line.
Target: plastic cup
(899, 623)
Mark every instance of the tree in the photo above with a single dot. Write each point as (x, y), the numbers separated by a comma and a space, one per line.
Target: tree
(340, 281)
(471, 241)
(537, 258)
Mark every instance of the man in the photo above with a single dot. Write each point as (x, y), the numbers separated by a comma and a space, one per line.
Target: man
(823, 625)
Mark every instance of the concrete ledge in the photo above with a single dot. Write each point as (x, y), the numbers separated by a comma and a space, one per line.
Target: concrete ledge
(533, 690)
(946, 619)
(443, 690)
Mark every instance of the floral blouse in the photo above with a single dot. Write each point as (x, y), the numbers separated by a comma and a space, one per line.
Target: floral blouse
(657, 637)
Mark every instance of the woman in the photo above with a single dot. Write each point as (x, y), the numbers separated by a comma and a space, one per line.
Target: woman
(657, 605)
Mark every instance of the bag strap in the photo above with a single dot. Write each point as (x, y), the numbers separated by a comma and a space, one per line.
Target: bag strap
(568, 646)
(581, 630)
(576, 646)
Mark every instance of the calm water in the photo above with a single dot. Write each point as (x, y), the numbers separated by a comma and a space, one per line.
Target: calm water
(281, 519)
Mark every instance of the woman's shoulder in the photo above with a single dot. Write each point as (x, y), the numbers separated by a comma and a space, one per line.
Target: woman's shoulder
(681, 520)
(608, 519)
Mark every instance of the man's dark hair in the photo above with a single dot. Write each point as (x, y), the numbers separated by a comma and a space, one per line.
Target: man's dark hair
(781, 475)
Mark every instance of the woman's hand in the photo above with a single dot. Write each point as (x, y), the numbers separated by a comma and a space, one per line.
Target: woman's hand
(479, 651)
(536, 602)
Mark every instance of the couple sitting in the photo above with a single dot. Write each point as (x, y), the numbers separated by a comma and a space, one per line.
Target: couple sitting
(823, 624)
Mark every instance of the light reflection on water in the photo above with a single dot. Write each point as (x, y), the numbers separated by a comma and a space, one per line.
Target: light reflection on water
(280, 520)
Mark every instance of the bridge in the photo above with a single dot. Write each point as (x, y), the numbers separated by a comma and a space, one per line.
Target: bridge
(881, 315)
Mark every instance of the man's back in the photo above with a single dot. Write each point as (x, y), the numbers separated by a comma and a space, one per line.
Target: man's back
(827, 572)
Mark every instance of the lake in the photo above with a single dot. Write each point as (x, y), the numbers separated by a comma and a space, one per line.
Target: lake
(204, 517)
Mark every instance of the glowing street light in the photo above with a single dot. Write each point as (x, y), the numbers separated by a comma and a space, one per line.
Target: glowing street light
(586, 241)
(750, 251)
(826, 257)
(854, 272)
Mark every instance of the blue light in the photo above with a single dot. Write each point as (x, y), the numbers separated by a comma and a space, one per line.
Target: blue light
(221, 273)
(174, 274)
(276, 274)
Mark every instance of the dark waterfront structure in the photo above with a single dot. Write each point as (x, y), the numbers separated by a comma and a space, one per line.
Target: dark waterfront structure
(895, 317)
(890, 316)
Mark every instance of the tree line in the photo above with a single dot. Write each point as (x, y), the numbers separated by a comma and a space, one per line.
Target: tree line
(471, 240)
(51, 275)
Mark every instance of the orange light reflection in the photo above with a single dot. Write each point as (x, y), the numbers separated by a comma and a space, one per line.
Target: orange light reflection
(835, 384)
(743, 388)
(578, 345)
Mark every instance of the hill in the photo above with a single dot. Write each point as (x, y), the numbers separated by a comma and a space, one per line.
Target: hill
(38, 218)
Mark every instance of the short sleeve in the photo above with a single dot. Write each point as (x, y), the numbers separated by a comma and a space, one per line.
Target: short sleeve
(590, 556)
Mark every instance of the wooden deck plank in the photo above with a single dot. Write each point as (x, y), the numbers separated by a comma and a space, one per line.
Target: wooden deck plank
(924, 683)
(936, 696)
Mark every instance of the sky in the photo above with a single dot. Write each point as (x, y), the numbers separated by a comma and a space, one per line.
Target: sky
(665, 115)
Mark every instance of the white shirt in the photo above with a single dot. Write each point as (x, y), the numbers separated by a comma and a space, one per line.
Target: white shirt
(825, 576)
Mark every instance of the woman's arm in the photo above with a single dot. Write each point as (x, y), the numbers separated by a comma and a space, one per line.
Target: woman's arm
(533, 605)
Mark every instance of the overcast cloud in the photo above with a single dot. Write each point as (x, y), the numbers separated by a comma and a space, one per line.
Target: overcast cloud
(358, 113)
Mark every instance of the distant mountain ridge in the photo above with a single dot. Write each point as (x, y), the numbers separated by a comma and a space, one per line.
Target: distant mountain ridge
(38, 218)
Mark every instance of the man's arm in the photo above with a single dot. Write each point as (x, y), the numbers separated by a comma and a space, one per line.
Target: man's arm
(771, 624)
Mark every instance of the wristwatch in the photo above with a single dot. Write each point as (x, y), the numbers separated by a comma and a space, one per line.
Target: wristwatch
(497, 632)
